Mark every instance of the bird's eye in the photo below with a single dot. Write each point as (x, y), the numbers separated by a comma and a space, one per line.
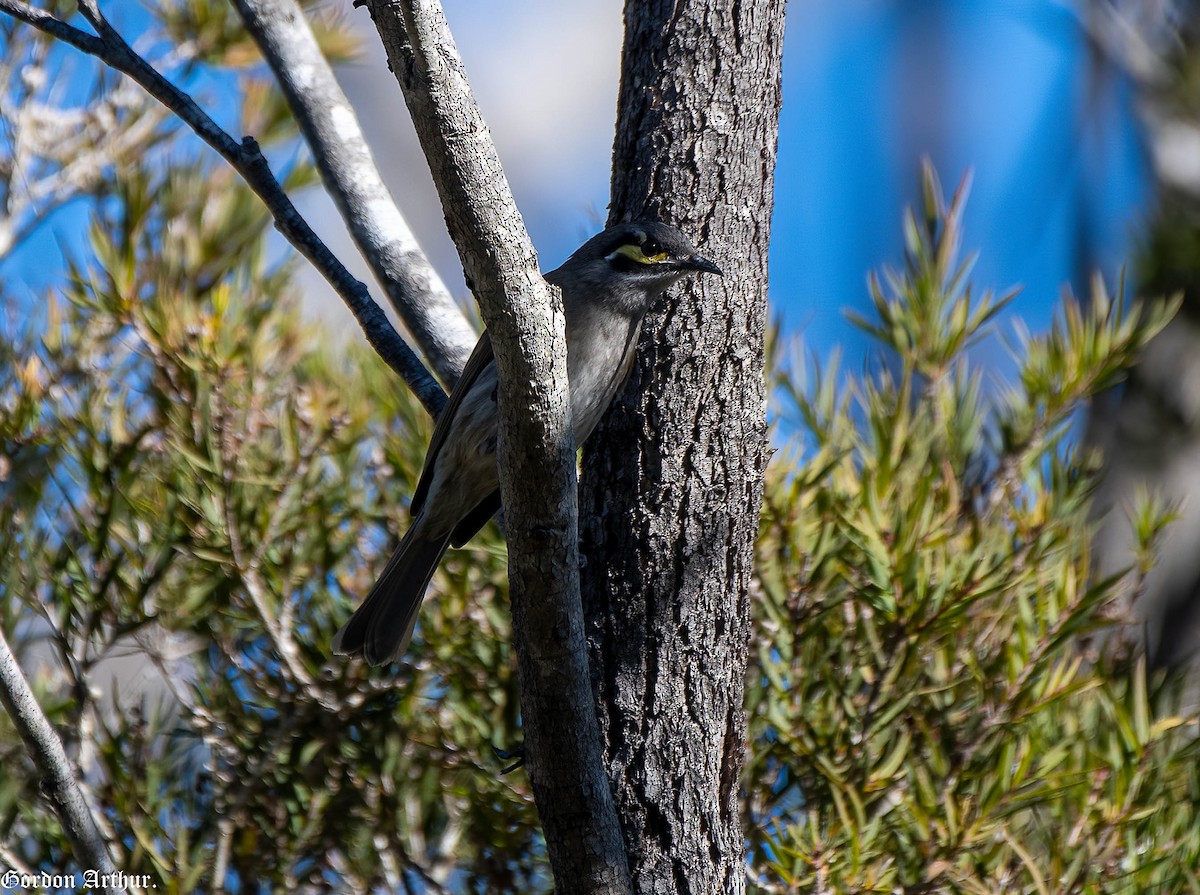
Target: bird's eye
(649, 252)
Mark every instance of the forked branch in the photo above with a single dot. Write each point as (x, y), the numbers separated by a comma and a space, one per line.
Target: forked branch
(247, 159)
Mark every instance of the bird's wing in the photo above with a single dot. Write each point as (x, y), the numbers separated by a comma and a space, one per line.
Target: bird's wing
(470, 524)
(476, 364)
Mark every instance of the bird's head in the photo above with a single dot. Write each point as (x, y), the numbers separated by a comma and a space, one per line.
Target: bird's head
(632, 263)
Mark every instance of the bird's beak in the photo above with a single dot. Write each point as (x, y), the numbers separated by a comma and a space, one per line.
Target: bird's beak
(696, 262)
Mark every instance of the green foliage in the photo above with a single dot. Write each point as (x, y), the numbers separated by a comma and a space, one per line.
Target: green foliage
(214, 31)
(935, 702)
(195, 490)
(196, 481)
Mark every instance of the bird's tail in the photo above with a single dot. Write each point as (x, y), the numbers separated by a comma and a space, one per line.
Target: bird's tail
(380, 629)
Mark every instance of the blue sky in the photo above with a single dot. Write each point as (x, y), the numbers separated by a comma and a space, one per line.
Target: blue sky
(1005, 88)
(1001, 89)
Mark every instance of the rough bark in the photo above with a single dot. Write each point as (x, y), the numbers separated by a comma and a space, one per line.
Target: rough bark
(340, 151)
(536, 449)
(672, 481)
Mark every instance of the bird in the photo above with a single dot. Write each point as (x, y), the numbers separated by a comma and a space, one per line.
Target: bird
(608, 286)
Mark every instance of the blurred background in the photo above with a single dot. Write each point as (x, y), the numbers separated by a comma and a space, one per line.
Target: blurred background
(1018, 93)
(1075, 118)
(150, 345)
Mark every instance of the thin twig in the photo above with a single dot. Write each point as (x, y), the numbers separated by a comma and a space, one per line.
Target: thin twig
(249, 570)
(225, 831)
(13, 861)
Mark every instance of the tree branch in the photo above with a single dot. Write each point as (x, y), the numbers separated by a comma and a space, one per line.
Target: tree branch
(247, 159)
(59, 784)
(350, 175)
(526, 324)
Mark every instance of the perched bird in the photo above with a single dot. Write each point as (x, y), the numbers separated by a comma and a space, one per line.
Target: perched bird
(608, 285)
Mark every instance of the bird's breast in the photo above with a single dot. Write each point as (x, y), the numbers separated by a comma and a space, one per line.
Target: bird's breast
(600, 352)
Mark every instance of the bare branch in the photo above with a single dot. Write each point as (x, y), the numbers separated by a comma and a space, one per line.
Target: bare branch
(13, 861)
(59, 783)
(350, 175)
(225, 831)
(562, 735)
(247, 159)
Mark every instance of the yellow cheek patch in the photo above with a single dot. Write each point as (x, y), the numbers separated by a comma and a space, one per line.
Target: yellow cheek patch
(635, 253)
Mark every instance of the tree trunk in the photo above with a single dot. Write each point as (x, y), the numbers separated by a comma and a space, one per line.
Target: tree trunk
(672, 481)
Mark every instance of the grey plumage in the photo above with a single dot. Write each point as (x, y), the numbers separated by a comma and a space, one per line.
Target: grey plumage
(608, 285)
